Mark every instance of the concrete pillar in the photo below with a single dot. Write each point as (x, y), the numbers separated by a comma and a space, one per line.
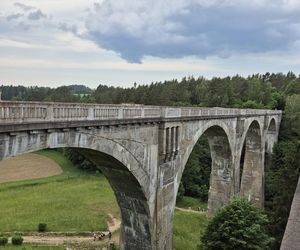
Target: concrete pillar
(137, 227)
(165, 205)
(291, 239)
(220, 190)
(252, 183)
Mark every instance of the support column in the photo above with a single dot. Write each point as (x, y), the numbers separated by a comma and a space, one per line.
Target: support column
(252, 183)
(166, 199)
(220, 190)
(138, 224)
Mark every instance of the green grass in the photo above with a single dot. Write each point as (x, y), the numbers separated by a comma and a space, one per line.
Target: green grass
(74, 201)
(191, 202)
(32, 247)
(188, 227)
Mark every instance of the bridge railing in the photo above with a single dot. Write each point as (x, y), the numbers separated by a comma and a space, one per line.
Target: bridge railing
(27, 112)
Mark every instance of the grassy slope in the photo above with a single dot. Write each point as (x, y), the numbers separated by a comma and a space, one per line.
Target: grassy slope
(30, 247)
(187, 230)
(54, 200)
(191, 202)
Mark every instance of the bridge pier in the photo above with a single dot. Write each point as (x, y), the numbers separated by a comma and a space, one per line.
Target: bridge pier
(252, 183)
(221, 178)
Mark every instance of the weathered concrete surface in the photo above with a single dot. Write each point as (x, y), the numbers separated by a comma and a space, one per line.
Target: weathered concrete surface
(253, 170)
(143, 150)
(291, 238)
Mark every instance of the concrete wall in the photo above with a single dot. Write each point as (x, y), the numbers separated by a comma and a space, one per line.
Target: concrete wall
(291, 238)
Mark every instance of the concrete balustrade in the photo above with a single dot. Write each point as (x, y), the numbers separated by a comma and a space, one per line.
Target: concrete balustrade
(20, 112)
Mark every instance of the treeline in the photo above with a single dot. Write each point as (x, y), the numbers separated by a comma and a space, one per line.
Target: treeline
(272, 91)
(73, 93)
(256, 91)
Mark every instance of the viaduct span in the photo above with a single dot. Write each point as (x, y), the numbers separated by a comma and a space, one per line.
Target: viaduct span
(142, 150)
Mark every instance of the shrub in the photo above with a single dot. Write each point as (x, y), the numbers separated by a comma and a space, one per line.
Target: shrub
(17, 240)
(3, 240)
(42, 227)
(238, 225)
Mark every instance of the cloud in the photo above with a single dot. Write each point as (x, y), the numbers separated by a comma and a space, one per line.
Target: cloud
(36, 15)
(14, 16)
(179, 28)
(23, 6)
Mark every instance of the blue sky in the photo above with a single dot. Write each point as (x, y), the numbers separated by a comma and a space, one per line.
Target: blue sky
(119, 42)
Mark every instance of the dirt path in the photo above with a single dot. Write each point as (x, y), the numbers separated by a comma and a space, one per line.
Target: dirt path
(113, 226)
(26, 167)
(190, 210)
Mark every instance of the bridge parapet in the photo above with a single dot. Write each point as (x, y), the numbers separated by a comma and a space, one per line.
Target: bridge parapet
(29, 112)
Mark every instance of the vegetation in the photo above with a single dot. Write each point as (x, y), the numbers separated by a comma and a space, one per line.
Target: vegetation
(17, 240)
(54, 201)
(238, 225)
(3, 240)
(187, 227)
(32, 247)
(191, 202)
(42, 227)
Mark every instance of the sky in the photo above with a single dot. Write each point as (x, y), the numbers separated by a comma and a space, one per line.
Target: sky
(119, 42)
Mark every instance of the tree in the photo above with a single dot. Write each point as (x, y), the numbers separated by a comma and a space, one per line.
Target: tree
(238, 225)
(292, 112)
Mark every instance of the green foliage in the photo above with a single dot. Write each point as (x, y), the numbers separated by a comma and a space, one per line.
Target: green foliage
(238, 225)
(292, 113)
(42, 227)
(17, 240)
(3, 240)
(191, 202)
(79, 160)
(283, 173)
(195, 179)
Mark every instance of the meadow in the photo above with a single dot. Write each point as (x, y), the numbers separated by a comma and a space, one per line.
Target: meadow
(77, 201)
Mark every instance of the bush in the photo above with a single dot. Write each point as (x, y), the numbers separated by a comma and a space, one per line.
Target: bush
(3, 240)
(42, 227)
(238, 225)
(17, 240)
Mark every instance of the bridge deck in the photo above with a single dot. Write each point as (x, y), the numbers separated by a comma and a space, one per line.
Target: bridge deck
(13, 114)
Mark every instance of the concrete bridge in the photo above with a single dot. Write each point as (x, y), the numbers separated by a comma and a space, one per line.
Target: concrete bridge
(142, 150)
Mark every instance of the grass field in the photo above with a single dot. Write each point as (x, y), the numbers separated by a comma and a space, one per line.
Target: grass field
(31, 247)
(187, 230)
(76, 201)
(73, 201)
(190, 202)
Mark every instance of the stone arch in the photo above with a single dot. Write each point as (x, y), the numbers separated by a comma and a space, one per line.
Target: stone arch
(271, 135)
(221, 176)
(123, 170)
(252, 181)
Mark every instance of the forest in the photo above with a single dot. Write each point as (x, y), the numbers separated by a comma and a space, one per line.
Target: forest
(271, 90)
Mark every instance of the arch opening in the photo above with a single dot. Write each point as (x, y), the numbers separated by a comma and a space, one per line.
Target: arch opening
(252, 180)
(219, 174)
(271, 138)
